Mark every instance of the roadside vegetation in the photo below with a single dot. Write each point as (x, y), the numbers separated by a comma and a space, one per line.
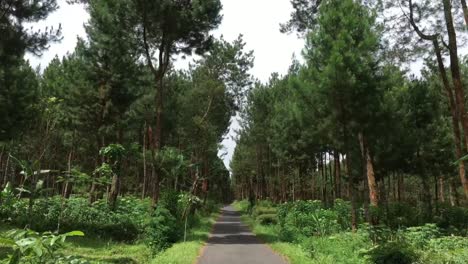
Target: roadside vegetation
(130, 233)
(309, 232)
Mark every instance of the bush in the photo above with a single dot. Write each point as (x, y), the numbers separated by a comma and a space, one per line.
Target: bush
(307, 218)
(260, 210)
(169, 199)
(340, 248)
(401, 215)
(419, 236)
(267, 219)
(125, 223)
(452, 218)
(391, 253)
(162, 230)
(343, 211)
(265, 204)
(210, 207)
(242, 206)
(379, 233)
(32, 247)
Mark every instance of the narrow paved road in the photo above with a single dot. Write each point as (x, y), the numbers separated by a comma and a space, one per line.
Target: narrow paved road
(232, 243)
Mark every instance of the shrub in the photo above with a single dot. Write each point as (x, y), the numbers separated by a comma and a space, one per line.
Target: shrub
(307, 218)
(125, 223)
(343, 247)
(343, 211)
(265, 204)
(242, 205)
(7, 200)
(401, 215)
(260, 210)
(210, 207)
(452, 218)
(170, 200)
(162, 230)
(267, 219)
(391, 253)
(32, 247)
(419, 236)
(379, 233)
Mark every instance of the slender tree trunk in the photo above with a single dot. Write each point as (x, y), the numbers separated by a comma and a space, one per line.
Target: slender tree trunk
(2, 183)
(351, 194)
(442, 189)
(401, 187)
(372, 184)
(322, 178)
(157, 140)
(283, 185)
(114, 190)
(312, 185)
(68, 185)
(457, 101)
(455, 116)
(337, 174)
(426, 189)
(145, 174)
(456, 77)
(5, 173)
(454, 200)
(465, 11)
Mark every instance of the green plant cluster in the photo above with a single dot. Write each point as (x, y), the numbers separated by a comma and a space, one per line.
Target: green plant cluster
(310, 218)
(420, 244)
(125, 223)
(32, 247)
(453, 219)
(324, 233)
(130, 220)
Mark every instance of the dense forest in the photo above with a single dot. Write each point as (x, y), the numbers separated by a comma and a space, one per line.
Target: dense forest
(114, 143)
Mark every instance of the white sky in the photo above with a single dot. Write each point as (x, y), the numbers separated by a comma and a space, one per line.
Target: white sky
(257, 20)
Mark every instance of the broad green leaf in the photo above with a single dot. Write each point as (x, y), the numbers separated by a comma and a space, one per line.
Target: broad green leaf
(74, 233)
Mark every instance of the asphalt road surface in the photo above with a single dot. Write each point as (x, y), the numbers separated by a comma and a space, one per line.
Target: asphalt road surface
(231, 242)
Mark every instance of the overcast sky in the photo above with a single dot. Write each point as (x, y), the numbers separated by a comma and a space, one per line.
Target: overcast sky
(257, 20)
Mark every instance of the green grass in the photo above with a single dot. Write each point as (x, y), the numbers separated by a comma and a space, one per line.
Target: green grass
(102, 251)
(97, 250)
(187, 252)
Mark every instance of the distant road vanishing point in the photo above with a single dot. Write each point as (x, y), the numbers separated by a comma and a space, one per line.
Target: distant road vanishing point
(231, 242)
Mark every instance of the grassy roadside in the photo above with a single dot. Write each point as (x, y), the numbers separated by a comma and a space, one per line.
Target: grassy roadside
(98, 250)
(269, 234)
(187, 252)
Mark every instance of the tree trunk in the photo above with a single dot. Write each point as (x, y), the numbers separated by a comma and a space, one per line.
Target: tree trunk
(312, 186)
(5, 173)
(337, 174)
(283, 186)
(114, 190)
(441, 189)
(465, 11)
(456, 77)
(68, 185)
(454, 200)
(351, 194)
(143, 190)
(454, 110)
(371, 182)
(426, 189)
(157, 141)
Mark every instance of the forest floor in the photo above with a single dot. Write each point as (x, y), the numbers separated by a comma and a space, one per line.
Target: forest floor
(232, 242)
